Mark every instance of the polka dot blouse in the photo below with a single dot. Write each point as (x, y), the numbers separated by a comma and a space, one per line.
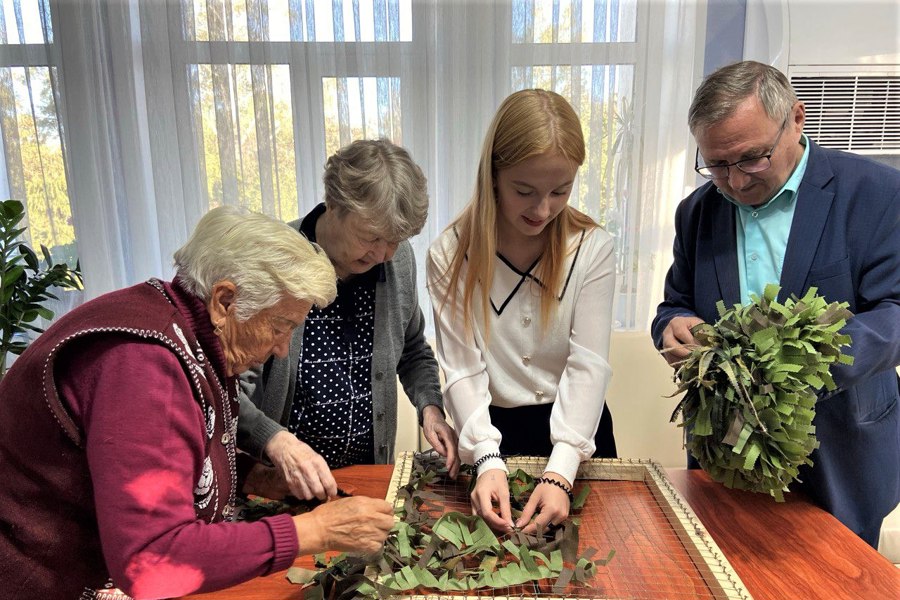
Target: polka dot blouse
(332, 405)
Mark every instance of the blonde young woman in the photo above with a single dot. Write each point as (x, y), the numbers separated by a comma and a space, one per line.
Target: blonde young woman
(523, 286)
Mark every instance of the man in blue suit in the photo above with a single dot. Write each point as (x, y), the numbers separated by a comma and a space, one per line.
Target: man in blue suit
(780, 209)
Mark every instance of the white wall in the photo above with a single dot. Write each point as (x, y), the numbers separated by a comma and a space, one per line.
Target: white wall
(823, 34)
(636, 397)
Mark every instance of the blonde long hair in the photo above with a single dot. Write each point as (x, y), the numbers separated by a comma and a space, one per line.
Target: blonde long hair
(528, 123)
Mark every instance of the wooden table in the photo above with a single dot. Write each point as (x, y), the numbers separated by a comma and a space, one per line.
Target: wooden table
(783, 551)
(787, 550)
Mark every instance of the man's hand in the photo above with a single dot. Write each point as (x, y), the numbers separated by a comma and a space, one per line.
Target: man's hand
(677, 338)
(441, 436)
(305, 471)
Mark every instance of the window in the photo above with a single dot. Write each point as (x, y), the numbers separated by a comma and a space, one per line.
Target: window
(273, 87)
(298, 20)
(34, 169)
(175, 106)
(367, 107)
(244, 125)
(599, 36)
(573, 21)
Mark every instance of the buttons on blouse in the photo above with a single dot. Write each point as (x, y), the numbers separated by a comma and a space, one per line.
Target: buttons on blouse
(225, 438)
(379, 375)
(526, 321)
(538, 395)
(755, 214)
(526, 359)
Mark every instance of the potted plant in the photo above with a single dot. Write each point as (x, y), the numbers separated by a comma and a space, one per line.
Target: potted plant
(25, 283)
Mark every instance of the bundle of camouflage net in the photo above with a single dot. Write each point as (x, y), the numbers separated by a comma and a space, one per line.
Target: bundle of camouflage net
(751, 387)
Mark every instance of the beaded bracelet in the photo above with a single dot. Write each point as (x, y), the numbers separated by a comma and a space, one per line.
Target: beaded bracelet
(558, 484)
(484, 458)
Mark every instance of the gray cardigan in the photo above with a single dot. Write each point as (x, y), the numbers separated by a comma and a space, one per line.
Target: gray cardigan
(399, 348)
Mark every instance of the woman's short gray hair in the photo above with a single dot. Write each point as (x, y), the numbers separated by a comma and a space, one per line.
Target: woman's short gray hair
(727, 88)
(265, 258)
(379, 182)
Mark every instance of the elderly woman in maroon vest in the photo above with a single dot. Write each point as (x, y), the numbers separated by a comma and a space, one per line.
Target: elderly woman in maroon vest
(117, 428)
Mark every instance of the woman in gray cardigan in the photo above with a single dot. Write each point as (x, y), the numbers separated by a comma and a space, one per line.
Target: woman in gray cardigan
(333, 401)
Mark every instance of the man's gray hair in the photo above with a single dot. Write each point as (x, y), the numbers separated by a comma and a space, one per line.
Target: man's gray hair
(379, 182)
(724, 90)
(266, 259)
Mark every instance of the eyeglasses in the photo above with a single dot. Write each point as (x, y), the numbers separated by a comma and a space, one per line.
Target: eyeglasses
(748, 165)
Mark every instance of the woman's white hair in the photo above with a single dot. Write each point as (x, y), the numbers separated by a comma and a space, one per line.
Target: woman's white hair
(264, 258)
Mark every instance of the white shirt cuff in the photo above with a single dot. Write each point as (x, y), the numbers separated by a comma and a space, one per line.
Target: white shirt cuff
(564, 460)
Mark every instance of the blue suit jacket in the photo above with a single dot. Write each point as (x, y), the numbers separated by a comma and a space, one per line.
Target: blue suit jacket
(844, 240)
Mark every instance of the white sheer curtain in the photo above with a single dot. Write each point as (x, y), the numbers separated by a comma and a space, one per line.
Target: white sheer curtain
(77, 155)
(171, 107)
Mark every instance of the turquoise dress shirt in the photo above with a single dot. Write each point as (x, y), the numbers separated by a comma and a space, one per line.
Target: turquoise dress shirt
(762, 233)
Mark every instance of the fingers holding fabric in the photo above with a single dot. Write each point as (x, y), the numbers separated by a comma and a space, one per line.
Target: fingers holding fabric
(549, 504)
(492, 489)
(442, 438)
(306, 472)
(677, 338)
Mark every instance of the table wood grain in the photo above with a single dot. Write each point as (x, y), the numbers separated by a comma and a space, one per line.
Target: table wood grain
(781, 551)
(789, 550)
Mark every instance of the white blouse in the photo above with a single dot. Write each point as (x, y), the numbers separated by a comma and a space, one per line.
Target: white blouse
(521, 366)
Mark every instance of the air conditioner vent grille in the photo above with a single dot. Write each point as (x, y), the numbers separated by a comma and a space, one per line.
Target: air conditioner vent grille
(859, 113)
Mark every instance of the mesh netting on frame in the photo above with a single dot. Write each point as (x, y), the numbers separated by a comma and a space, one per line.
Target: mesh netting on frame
(661, 548)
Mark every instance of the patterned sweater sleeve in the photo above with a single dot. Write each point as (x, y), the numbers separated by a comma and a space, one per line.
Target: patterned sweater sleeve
(145, 446)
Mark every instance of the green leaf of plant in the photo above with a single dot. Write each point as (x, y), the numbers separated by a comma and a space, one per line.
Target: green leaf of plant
(48, 258)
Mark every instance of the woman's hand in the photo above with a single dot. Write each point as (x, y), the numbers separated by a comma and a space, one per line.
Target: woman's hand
(305, 471)
(441, 436)
(357, 524)
(492, 488)
(549, 502)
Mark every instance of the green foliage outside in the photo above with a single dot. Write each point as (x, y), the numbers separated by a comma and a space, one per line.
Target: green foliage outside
(247, 150)
(35, 163)
(25, 282)
(751, 387)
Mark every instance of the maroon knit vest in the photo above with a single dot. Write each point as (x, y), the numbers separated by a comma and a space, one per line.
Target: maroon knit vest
(49, 541)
